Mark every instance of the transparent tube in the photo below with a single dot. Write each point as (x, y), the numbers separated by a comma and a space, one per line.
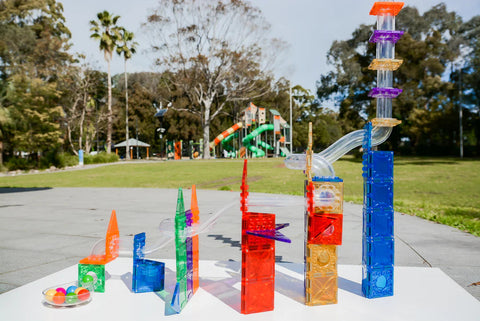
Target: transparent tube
(166, 234)
(386, 22)
(384, 79)
(269, 201)
(384, 107)
(322, 162)
(385, 50)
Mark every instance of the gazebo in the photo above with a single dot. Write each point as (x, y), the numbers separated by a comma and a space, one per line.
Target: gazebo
(132, 142)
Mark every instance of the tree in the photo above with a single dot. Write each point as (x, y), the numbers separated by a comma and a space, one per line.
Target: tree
(216, 50)
(126, 47)
(82, 89)
(33, 56)
(471, 79)
(106, 31)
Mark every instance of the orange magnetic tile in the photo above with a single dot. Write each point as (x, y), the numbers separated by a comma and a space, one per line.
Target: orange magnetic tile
(385, 64)
(321, 259)
(195, 259)
(328, 197)
(384, 8)
(321, 290)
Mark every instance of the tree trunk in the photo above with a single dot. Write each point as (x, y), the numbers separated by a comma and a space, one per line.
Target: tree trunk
(127, 147)
(82, 119)
(1, 153)
(206, 130)
(69, 135)
(109, 117)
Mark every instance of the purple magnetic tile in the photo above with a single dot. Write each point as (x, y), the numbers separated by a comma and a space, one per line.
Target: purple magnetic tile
(280, 226)
(386, 35)
(189, 253)
(188, 217)
(271, 234)
(385, 92)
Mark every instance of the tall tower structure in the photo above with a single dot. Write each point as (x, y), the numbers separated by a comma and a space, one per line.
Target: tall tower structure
(378, 235)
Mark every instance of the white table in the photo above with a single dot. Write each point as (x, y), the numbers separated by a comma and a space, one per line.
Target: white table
(420, 294)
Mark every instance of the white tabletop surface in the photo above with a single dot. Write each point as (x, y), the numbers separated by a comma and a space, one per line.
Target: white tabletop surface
(420, 294)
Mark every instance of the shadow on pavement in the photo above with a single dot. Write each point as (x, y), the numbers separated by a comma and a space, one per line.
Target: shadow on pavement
(4, 190)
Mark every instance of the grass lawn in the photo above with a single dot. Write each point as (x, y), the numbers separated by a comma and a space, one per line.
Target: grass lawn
(444, 190)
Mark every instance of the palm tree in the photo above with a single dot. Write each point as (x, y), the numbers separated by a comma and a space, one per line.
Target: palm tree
(106, 31)
(126, 46)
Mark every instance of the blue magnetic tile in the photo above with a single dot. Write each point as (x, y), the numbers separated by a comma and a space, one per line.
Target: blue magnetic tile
(382, 165)
(379, 194)
(378, 222)
(367, 138)
(377, 283)
(138, 246)
(327, 179)
(175, 304)
(378, 251)
(148, 276)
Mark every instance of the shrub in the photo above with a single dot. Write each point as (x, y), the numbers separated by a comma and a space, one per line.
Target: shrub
(100, 158)
(17, 163)
(70, 160)
(52, 158)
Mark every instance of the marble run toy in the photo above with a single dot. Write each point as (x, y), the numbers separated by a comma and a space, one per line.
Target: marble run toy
(323, 232)
(259, 233)
(378, 239)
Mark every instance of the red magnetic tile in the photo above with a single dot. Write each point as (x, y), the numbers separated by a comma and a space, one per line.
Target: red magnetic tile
(257, 222)
(325, 228)
(383, 8)
(257, 296)
(257, 265)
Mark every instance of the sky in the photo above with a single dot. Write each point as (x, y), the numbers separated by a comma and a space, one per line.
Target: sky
(308, 26)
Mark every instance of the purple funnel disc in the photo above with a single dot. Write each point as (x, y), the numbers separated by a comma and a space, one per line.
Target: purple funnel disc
(385, 92)
(271, 234)
(282, 225)
(386, 35)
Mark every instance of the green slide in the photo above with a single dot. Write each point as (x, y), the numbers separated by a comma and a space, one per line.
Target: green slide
(226, 144)
(257, 152)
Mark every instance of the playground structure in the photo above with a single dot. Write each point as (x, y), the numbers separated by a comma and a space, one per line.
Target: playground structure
(253, 132)
(177, 149)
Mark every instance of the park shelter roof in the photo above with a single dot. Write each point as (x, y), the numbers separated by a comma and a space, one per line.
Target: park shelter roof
(132, 142)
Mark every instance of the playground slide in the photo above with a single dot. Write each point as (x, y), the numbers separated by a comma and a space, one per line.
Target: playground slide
(264, 145)
(231, 151)
(257, 152)
(225, 134)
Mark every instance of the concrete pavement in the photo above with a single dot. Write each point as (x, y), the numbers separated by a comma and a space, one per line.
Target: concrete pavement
(45, 230)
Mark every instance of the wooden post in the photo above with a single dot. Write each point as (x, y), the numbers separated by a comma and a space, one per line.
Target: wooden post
(147, 152)
(131, 153)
